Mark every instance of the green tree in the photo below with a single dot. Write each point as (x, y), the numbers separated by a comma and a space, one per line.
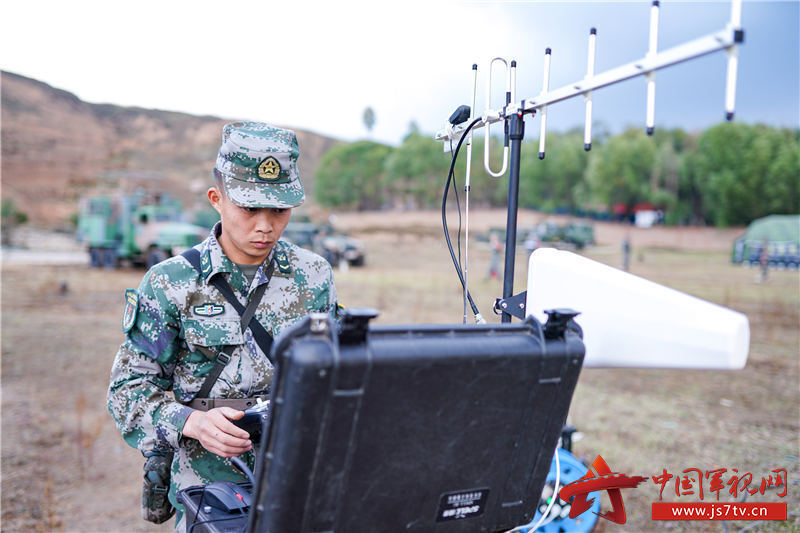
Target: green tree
(351, 176)
(620, 172)
(369, 119)
(413, 128)
(485, 191)
(417, 171)
(746, 172)
(11, 218)
(555, 182)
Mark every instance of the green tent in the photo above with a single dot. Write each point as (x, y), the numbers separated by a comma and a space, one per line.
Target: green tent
(779, 233)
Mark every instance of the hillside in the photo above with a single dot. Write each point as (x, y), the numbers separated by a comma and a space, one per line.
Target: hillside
(57, 148)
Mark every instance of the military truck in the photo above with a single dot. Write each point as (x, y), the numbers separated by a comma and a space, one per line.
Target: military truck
(134, 229)
(335, 246)
(575, 234)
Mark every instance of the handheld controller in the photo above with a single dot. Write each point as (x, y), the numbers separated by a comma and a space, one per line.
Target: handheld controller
(253, 417)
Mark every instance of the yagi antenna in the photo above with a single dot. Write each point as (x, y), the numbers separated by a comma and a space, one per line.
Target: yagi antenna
(727, 39)
(512, 114)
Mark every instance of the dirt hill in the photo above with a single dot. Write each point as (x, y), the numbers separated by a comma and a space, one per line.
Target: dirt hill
(57, 148)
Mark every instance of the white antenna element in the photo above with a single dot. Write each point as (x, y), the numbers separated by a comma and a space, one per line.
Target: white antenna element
(651, 76)
(512, 82)
(543, 111)
(587, 130)
(467, 187)
(493, 116)
(733, 58)
(727, 39)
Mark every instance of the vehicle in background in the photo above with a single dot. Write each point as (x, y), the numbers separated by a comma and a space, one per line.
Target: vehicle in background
(335, 246)
(301, 233)
(338, 247)
(575, 234)
(134, 229)
(580, 234)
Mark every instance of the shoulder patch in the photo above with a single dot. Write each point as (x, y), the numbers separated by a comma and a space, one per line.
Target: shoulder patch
(131, 308)
(208, 310)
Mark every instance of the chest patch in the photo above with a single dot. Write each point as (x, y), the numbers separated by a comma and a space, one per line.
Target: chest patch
(208, 310)
(131, 308)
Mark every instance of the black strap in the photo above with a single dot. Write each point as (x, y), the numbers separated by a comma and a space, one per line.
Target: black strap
(261, 335)
(247, 314)
(219, 364)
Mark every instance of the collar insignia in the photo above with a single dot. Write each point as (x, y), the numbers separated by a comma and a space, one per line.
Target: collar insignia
(205, 264)
(208, 310)
(283, 262)
(269, 169)
(131, 308)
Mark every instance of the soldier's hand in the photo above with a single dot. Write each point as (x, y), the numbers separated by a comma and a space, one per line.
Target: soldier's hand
(216, 433)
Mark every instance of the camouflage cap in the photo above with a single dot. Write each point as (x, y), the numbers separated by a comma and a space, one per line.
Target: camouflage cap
(258, 165)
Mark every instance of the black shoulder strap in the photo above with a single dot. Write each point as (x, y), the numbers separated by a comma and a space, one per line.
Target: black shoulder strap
(219, 364)
(247, 314)
(261, 335)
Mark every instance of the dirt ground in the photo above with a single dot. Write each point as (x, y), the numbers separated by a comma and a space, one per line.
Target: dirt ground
(66, 468)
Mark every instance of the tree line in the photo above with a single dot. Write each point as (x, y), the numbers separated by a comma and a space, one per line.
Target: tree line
(729, 174)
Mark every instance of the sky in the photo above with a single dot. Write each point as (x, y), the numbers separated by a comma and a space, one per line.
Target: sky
(318, 65)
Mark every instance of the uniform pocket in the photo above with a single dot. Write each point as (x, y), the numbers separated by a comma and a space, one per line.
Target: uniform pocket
(209, 336)
(213, 332)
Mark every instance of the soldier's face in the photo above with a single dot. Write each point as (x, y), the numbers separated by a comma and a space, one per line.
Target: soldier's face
(248, 234)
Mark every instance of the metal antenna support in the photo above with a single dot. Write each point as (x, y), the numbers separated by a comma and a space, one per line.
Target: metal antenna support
(516, 133)
(587, 129)
(491, 116)
(651, 76)
(545, 88)
(467, 188)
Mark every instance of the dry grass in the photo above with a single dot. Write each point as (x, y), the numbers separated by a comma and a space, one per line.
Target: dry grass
(62, 469)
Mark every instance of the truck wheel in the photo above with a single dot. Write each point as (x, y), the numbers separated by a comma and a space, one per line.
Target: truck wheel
(95, 257)
(155, 256)
(109, 258)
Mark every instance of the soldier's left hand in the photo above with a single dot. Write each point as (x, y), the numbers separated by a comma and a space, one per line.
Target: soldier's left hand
(216, 433)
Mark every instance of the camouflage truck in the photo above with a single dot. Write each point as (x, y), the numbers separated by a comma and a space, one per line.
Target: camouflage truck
(335, 246)
(132, 230)
(575, 234)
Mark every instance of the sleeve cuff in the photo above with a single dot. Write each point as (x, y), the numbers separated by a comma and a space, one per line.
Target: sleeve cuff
(169, 422)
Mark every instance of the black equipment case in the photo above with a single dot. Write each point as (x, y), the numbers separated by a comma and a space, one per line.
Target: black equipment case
(419, 428)
(204, 518)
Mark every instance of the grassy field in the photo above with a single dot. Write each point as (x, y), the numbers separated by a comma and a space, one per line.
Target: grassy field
(65, 467)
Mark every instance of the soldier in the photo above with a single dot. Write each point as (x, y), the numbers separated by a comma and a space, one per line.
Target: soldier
(178, 323)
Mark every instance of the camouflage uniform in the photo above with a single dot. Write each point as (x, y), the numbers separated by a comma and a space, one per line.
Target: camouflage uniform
(178, 325)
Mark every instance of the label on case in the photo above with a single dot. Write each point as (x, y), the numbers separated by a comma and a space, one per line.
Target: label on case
(462, 504)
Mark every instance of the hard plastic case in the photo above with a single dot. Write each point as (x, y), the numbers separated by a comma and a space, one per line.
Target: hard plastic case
(419, 428)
